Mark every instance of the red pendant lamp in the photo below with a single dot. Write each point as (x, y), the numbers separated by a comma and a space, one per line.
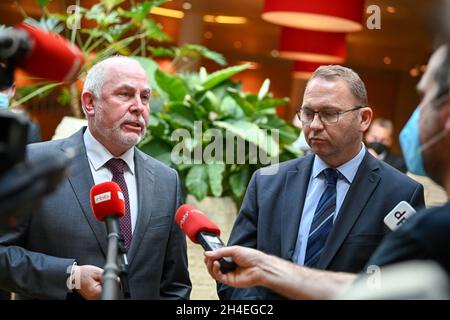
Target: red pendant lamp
(304, 70)
(319, 15)
(312, 46)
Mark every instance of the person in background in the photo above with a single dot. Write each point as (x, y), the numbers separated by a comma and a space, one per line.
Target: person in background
(379, 140)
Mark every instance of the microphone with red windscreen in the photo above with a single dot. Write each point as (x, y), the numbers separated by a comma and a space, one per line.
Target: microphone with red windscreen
(41, 53)
(201, 230)
(108, 205)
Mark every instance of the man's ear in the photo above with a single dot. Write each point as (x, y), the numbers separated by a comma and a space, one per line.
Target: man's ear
(366, 118)
(87, 100)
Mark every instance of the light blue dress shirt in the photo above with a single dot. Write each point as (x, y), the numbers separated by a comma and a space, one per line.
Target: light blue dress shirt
(98, 155)
(316, 187)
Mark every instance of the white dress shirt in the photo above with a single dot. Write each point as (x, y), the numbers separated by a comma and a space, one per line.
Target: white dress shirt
(316, 187)
(98, 155)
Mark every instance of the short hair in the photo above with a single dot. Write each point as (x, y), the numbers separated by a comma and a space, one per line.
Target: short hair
(96, 77)
(384, 123)
(336, 72)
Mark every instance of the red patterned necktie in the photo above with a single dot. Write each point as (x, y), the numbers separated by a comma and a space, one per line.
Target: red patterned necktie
(117, 166)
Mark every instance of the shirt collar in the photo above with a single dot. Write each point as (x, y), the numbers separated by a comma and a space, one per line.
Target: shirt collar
(347, 170)
(98, 155)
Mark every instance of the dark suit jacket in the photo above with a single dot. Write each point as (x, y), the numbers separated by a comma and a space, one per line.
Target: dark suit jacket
(270, 216)
(425, 236)
(35, 256)
(396, 161)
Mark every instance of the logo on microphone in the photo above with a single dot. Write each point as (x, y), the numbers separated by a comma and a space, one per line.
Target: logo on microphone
(183, 220)
(120, 195)
(102, 197)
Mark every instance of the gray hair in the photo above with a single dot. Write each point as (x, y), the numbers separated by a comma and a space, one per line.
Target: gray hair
(354, 82)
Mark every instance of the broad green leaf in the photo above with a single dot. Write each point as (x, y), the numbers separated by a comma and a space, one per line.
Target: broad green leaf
(197, 181)
(271, 103)
(251, 133)
(239, 181)
(110, 4)
(287, 133)
(246, 106)
(203, 74)
(293, 150)
(264, 89)
(180, 115)
(197, 51)
(161, 51)
(215, 174)
(43, 3)
(218, 77)
(171, 85)
(229, 108)
(157, 126)
(210, 101)
(158, 150)
(150, 66)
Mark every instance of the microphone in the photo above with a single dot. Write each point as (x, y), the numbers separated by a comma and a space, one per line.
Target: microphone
(108, 205)
(32, 49)
(397, 216)
(201, 230)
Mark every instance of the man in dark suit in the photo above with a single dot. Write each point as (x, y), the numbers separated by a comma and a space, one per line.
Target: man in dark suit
(325, 210)
(379, 142)
(62, 245)
(425, 236)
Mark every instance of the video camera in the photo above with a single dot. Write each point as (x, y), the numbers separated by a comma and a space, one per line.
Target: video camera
(25, 182)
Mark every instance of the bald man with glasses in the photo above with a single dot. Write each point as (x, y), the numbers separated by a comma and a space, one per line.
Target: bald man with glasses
(324, 210)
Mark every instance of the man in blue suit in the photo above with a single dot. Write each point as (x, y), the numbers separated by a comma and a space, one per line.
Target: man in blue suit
(325, 210)
(63, 244)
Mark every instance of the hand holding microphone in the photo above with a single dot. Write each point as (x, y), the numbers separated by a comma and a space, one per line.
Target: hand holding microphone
(108, 205)
(201, 230)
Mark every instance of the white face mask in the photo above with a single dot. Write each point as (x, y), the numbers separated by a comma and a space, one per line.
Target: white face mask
(4, 101)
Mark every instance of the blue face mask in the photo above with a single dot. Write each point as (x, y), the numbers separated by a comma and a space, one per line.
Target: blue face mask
(4, 101)
(410, 144)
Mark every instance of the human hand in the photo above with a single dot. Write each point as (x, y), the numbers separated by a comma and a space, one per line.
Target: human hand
(250, 270)
(88, 281)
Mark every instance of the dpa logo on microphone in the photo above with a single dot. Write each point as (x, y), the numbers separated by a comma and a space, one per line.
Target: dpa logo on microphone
(102, 197)
(120, 195)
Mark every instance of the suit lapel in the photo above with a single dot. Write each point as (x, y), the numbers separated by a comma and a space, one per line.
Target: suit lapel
(80, 178)
(361, 189)
(293, 200)
(145, 187)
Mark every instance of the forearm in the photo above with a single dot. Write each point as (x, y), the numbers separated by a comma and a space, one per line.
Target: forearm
(298, 282)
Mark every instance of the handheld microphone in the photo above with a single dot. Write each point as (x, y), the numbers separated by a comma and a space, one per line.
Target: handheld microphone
(397, 216)
(201, 230)
(108, 205)
(33, 49)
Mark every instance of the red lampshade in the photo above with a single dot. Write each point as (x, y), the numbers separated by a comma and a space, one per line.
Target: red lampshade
(304, 69)
(319, 15)
(312, 46)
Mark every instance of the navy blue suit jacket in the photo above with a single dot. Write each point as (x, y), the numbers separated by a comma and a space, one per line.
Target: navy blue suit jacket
(270, 216)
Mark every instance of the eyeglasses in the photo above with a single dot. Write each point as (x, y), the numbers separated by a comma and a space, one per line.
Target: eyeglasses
(306, 116)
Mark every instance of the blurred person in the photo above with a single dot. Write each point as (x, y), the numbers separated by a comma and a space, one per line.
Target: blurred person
(425, 236)
(7, 93)
(63, 241)
(379, 140)
(324, 210)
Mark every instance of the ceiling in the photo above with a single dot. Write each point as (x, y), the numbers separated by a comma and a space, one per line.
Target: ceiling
(404, 38)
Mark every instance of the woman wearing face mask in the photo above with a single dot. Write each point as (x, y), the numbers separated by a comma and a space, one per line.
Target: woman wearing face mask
(6, 95)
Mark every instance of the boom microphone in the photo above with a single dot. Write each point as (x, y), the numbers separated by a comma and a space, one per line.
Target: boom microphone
(201, 230)
(41, 53)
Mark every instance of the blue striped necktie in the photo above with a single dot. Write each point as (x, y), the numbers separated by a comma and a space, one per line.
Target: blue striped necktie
(323, 219)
